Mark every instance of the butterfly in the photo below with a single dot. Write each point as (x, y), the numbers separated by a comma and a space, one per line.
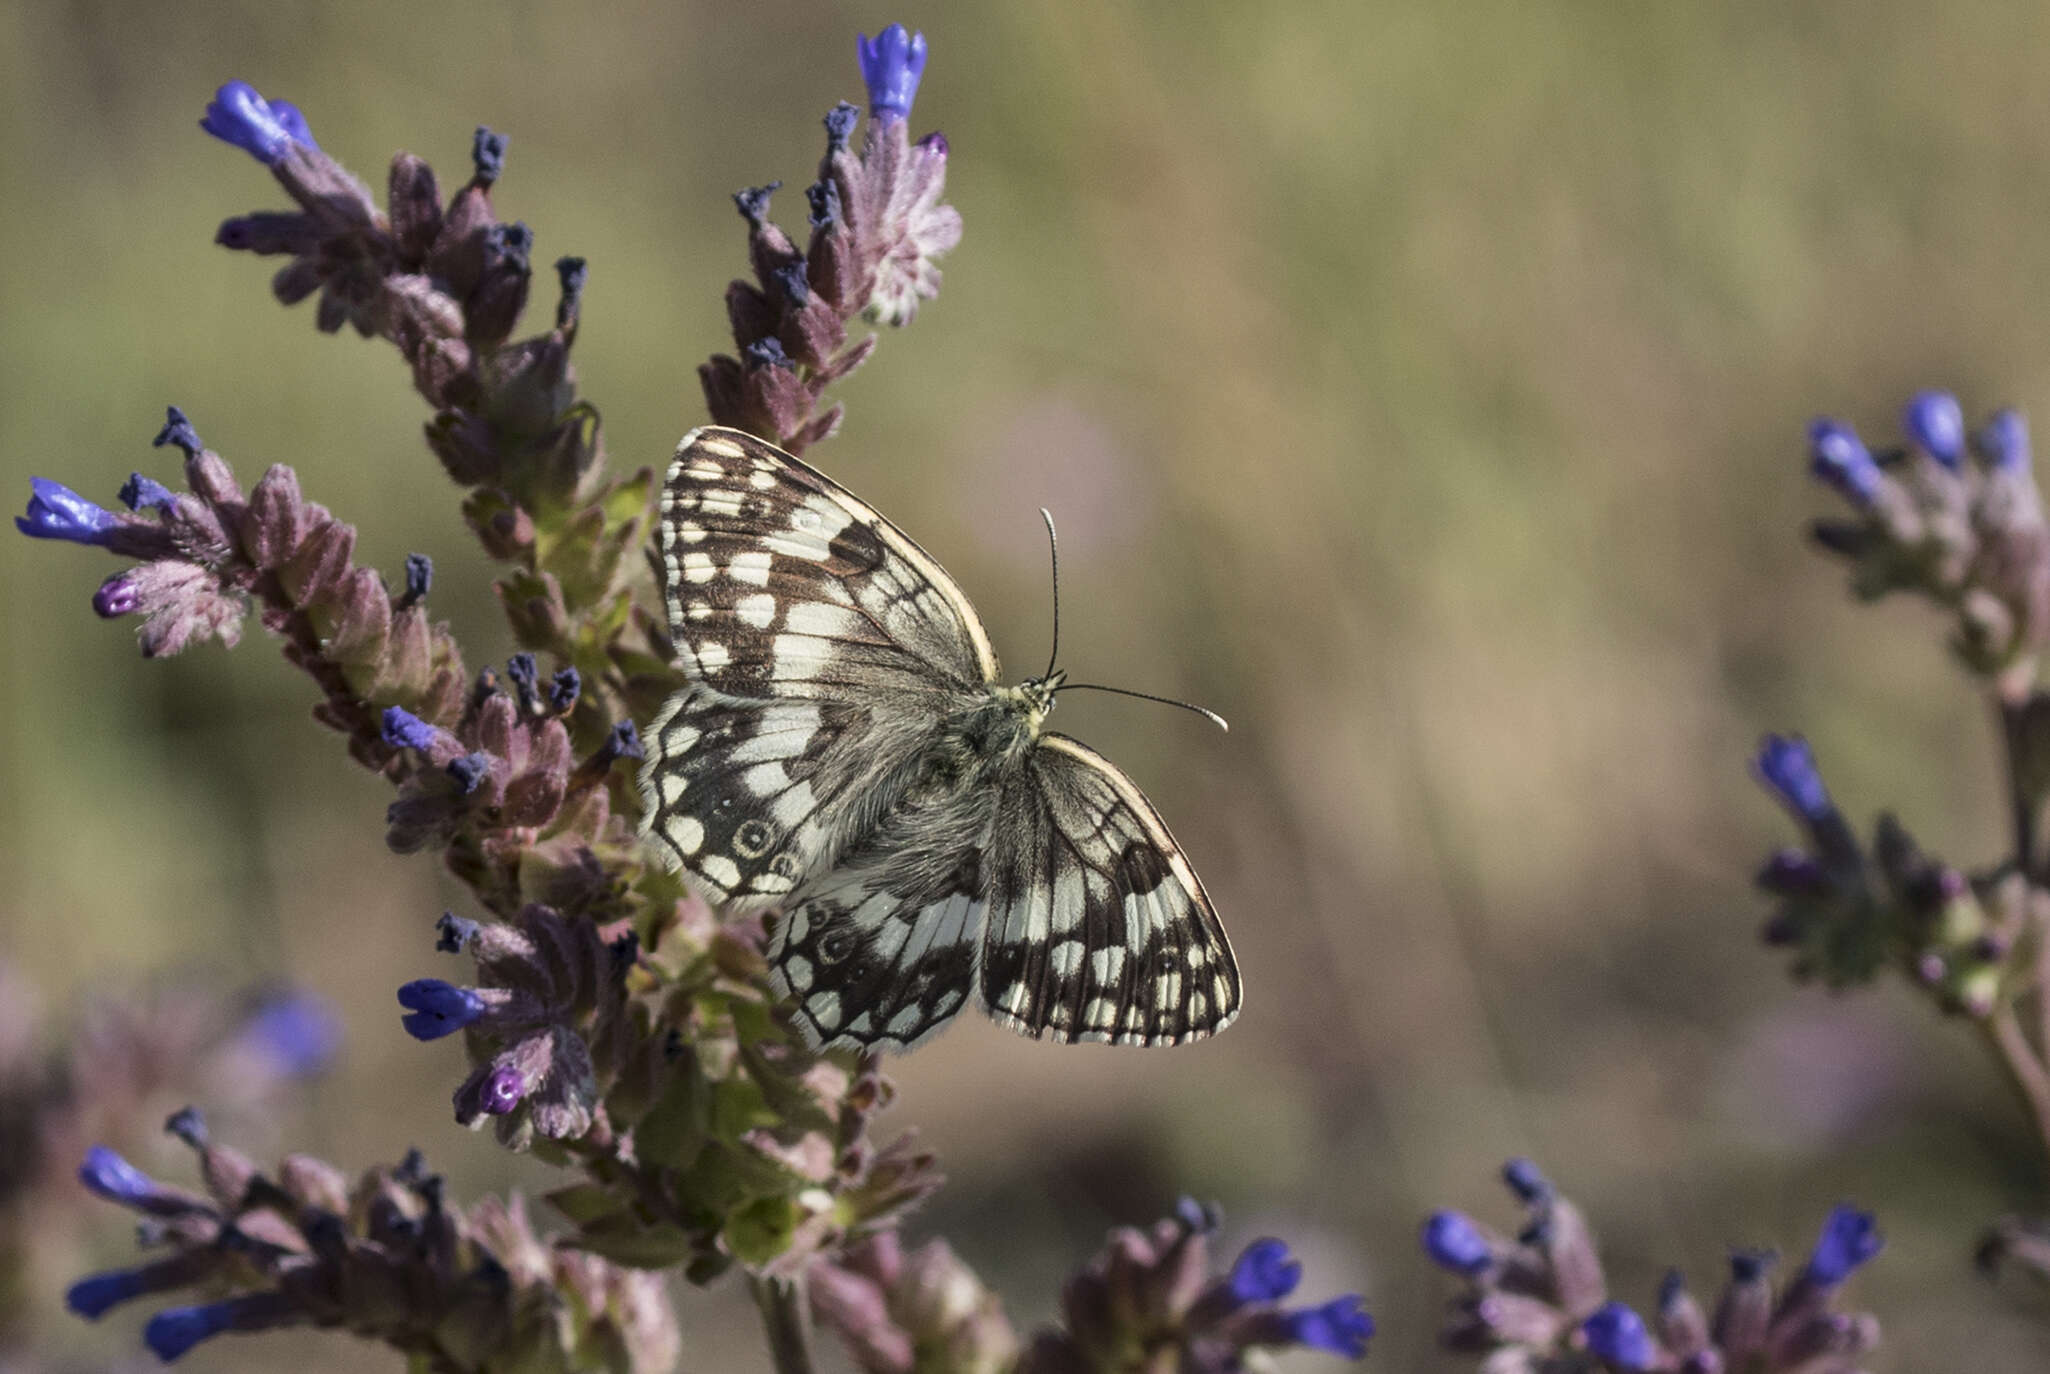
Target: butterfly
(845, 755)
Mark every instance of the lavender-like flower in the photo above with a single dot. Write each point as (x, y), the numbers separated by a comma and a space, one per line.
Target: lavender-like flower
(1264, 1272)
(1543, 1302)
(55, 511)
(1339, 1327)
(106, 1174)
(2005, 441)
(404, 730)
(1838, 457)
(891, 64)
(1617, 1334)
(1936, 423)
(1454, 1241)
(1850, 1239)
(436, 1008)
(1786, 766)
(265, 131)
(143, 493)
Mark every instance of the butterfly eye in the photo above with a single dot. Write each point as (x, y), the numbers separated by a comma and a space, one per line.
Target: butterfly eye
(751, 841)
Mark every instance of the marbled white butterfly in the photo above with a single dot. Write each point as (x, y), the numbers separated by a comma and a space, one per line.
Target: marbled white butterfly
(846, 754)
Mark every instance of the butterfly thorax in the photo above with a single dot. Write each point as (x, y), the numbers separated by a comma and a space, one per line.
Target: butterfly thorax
(1006, 726)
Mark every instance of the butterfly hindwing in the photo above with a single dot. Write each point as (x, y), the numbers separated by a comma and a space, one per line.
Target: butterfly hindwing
(1098, 927)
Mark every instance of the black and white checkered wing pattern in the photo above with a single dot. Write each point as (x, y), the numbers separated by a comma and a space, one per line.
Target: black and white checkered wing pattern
(819, 642)
(1098, 928)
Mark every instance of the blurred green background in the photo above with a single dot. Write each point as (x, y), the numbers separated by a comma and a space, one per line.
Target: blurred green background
(1421, 386)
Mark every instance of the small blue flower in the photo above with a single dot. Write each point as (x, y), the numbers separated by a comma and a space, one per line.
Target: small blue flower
(526, 677)
(504, 1090)
(1454, 1242)
(435, 1008)
(623, 743)
(240, 116)
(91, 1297)
(419, 576)
(891, 64)
(55, 511)
(563, 689)
(2005, 441)
(106, 1174)
(1837, 456)
(1935, 421)
(178, 432)
(1616, 1333)
(1524, 1180)
(139, 492)
(298, 1031)
(1849, 1239)
(1264, 1272)
(470, 770)
(404, 730)
(1340, 1327)
(453, 932)
(175, 1330)
(1786, 766)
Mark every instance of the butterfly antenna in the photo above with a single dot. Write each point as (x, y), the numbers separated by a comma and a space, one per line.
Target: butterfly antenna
(1053, 551)
(1203, 711)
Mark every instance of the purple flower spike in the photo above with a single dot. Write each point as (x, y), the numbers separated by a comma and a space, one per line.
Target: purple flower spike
(175, 1330)
(891, 64)
(2005, 441)
(93, 1296)
(1786, 766)
(1837, 456)
(240, 116)
(504, 1091)
(1615, 1333)
(1454, 1242)
(1935, 421)
(1849, 1239)
(1339, 1327)
(106, 1174)
(435, 1008)
(1264, 1272)
(55, 511)
(178, 431)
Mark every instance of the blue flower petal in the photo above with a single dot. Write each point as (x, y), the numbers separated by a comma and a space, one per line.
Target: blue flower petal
(1849, 1239)
(891, 65)
(1617, 1334)
(2005, 441)
(1340, 1327)
(438, 1008)
(1264, 1272)
(55, 511)
(1786, 765)
(1935, 421)
(1837, 456)
(1454, 1242)
(91, 1297)
(240, 116)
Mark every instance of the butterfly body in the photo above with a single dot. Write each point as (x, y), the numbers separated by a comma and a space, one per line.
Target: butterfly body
(846, 756)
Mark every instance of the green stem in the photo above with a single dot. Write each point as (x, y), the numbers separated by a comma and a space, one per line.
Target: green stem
(786, 1318)
(2024, 1069)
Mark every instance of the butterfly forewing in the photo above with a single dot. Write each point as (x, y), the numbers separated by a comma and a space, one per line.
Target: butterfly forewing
(841, 754)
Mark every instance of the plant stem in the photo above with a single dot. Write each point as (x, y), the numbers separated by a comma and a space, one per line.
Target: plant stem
(2024, 1069)
(786, 1318)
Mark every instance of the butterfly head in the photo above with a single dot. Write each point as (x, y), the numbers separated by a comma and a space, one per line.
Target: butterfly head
(1037, 694)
